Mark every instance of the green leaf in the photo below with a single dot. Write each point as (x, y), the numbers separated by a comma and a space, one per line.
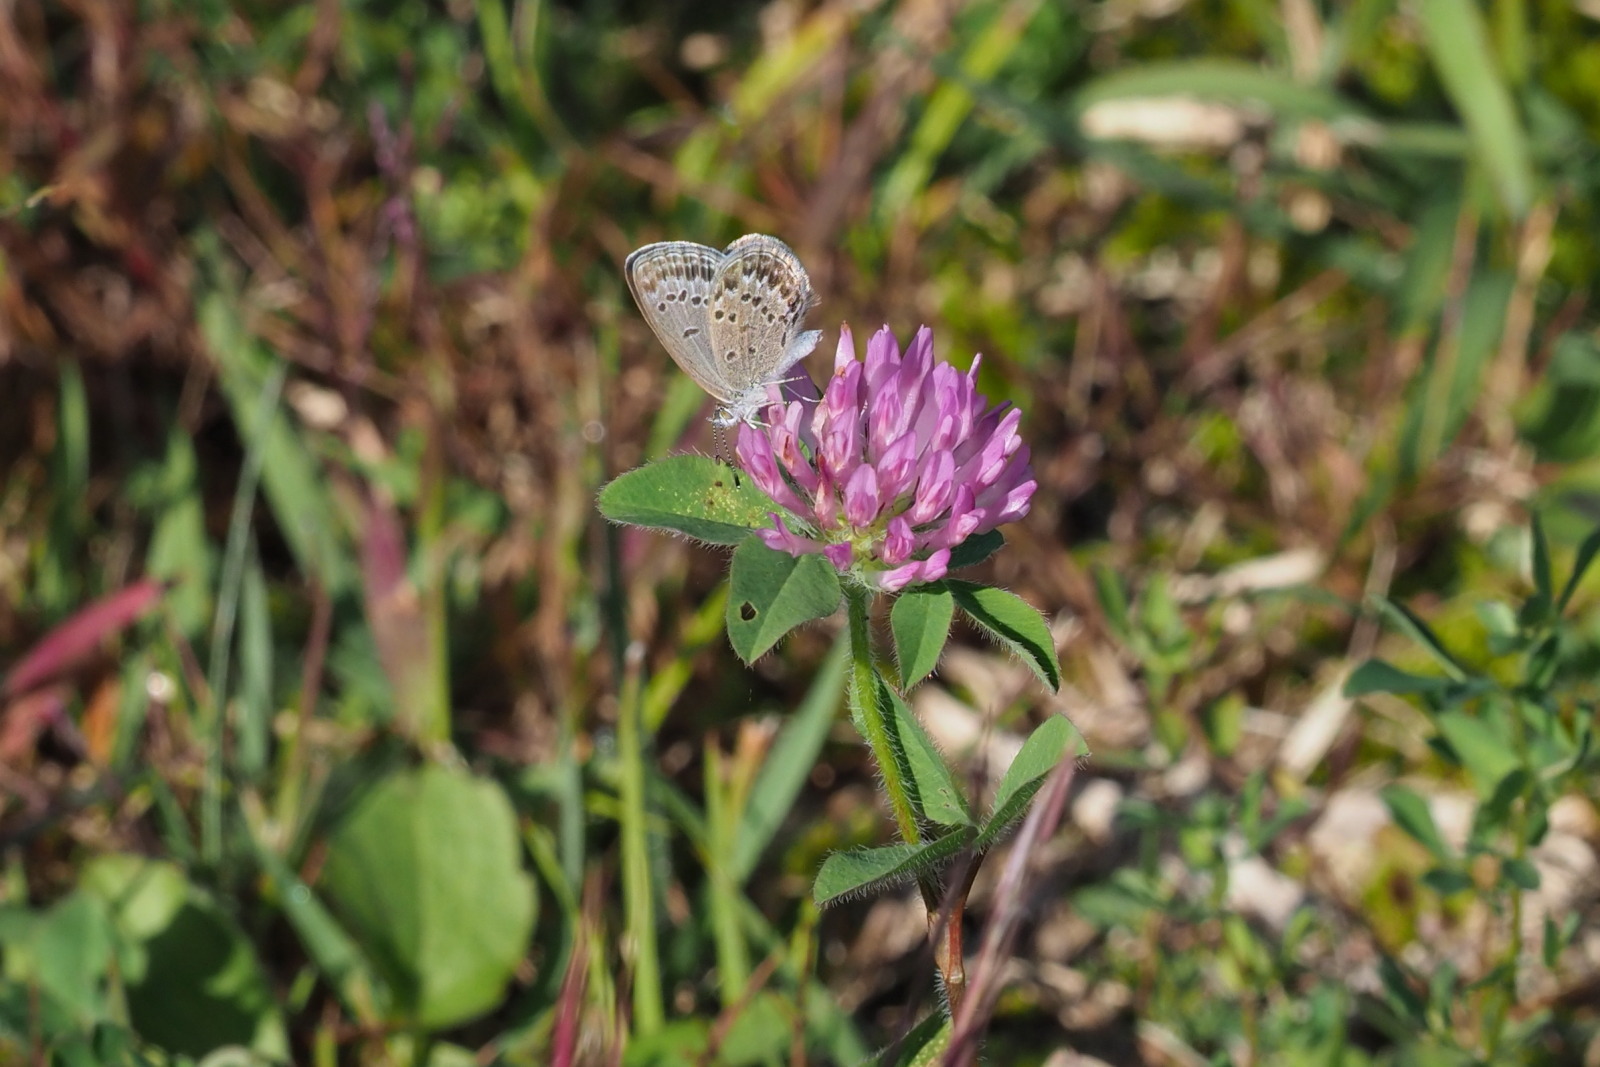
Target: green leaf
(1486, 753)
(1586, 554)
(1448, 881)
(1378, 676)
(1044, 749)
(761, 1033)
(193, 981)
(1543, 662)
(1557, 938)
(291, 476)
(1227, 80)
(1017, 625)
(691, 495)
(771, 592)
(862, 870)
(944, 112)
(1442, 988)
(1520, 873)
(1401, 618)
(1493, 814)
(71, 950)
(920, 621)
(325, 942)
(1401, 992)
(976, 549)
(1542, 580)
(1411, 814)
(426, 871)
(939, 796)
(1113, 600)
(1453, 33)
(922, 1047)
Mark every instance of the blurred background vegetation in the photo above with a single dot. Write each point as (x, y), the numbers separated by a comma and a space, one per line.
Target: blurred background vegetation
(331, 705)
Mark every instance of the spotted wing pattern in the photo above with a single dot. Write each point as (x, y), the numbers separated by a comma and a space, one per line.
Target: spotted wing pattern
(672, 283)
(759, 298)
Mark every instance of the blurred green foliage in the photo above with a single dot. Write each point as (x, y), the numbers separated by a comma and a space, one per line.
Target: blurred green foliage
(313, 313)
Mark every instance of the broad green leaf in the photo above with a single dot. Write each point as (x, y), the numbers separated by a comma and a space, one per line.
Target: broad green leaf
(1017, 625)
(1454, 35)
(1379, 676)
(71, 950)
(1486, 753)
(1044, 749)
(426, 871)
(1411, 814)
(193, 981)
(976, 549)
(771, 592)
(940, 797)
(1401, 618)
(790, 762)
(691, 495)
(920, 621)
(862, 870)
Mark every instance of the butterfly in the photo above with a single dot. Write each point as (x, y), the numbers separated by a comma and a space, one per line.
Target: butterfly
(731, 319)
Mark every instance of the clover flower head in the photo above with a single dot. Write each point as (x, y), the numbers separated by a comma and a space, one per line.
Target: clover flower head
(898, 462)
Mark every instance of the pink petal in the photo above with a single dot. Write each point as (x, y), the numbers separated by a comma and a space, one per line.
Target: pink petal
(899, 542)
(935, 489)
(861, 497)
(897, 467)
(846, 351)
(927, 570)
(781, 539)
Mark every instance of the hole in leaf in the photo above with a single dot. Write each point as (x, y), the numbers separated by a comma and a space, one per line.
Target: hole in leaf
(747, 611)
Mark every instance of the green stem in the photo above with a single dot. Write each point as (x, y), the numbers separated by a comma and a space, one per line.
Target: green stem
(638, 894)
(872, 717)
(1506, 992)
(722, 804)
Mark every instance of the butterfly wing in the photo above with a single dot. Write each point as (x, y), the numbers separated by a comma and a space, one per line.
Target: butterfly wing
(759, 297)
(672, 284)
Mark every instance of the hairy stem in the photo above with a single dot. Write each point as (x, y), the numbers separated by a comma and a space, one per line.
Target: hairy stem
(872, 716)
